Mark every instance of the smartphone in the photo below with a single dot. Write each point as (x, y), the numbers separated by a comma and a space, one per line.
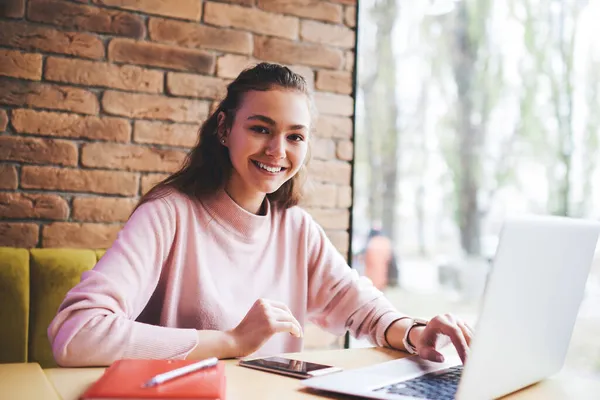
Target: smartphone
(289, 367)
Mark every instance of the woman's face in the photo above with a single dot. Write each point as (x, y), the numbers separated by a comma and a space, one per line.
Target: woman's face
(268, 141)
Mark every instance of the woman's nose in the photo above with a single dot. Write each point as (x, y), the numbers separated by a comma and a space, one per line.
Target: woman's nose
(276, 147)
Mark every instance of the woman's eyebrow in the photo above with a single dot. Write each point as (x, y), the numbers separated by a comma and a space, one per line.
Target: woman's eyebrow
(270, 121)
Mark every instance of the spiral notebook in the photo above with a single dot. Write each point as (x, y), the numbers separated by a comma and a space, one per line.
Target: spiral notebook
(124, 379)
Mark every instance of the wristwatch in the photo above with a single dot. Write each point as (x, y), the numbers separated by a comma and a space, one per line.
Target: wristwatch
(410, 348)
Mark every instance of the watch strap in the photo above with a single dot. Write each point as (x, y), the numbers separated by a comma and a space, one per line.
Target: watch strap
(410, 348)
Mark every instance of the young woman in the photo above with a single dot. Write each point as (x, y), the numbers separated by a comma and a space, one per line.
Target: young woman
(217, 261)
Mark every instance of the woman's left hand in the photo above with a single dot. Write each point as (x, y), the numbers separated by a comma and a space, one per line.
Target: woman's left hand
(439, 332)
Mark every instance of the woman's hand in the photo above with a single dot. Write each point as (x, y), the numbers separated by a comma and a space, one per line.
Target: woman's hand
(265, 318)
(439, 332)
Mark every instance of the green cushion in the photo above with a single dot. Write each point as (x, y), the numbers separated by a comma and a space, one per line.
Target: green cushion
(14, 304)
(53, 273)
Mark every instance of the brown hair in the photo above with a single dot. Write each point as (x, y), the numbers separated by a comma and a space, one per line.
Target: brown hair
(207, 167)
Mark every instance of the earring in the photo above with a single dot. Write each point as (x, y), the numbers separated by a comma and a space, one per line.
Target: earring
(223, 141)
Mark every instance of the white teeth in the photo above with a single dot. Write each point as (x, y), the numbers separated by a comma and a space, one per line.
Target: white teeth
(266, 167)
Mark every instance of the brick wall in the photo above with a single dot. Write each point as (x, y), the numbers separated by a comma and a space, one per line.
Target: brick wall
(100, 99)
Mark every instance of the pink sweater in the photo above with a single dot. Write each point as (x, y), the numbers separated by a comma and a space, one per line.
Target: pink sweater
(180, 265)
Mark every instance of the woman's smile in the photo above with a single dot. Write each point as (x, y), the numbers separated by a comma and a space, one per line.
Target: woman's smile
(268, 169)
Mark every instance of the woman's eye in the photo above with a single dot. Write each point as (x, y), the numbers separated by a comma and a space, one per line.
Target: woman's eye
(260, 129)
(296, 138)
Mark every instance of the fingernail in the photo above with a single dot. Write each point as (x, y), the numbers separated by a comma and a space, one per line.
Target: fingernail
(439, 358)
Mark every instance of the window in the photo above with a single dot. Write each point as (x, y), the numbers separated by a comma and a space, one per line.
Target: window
(469, 111)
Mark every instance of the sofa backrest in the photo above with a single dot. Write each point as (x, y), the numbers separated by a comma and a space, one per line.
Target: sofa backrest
(33, 284)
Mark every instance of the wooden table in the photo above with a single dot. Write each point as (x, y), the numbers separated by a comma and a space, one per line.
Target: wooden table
(245, 383)
(25, 381)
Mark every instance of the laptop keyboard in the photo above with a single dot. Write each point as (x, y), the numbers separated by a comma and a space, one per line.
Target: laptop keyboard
(440, 385)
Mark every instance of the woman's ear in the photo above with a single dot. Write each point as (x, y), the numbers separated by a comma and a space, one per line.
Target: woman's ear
(222, 128)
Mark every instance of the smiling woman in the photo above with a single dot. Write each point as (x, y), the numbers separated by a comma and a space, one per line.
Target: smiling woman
(217, 261)
(266, 117)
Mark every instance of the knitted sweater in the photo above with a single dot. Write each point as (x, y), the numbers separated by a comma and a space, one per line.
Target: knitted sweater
(180, 265)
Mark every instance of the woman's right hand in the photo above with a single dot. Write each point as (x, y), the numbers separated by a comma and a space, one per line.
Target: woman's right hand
(265, 318)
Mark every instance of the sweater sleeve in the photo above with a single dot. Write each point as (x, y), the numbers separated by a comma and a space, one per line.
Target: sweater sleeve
(339, 300)
(95, 324)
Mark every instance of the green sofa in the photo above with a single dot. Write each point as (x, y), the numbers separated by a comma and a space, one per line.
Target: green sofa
(33, 283)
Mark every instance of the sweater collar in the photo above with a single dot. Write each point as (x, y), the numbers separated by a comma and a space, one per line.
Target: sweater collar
(236, 219)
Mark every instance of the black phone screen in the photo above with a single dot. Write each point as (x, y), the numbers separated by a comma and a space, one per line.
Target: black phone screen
(285, 364)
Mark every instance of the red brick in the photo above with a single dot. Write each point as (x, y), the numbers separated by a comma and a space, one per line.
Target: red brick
(131, 157)
(340, 240)
(350, 17)
(38, 151)
(335, 127)
(150, 180)
(8, 176)
(319, 195)
(206, 87)
(146, 106)
(330, 218)
(71, 125)
(338, 172)
(346, 2)
(345, 150)
(322, 148)
(20, 65)
(30, 205)
(3, 120)
(159, 55)
(242, 2)
(344, 196)
(331, 108)
(102, 209)
(86, 18)
(12, 8)
(213, 106)
(320, 10)
(251, 19)
(334, 81)
(28, 37)
(185, 9)
(180, 135)
(43, 95)
(333, 35)
(349, 61)
(19, 234)
(74, 235)
(93, 73)
(288, 52)
(79, 180)
(307, 73)
(197, 36)
(230, 66)
(334, 104)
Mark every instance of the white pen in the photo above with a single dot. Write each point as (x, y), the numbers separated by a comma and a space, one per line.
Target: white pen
(176, 373)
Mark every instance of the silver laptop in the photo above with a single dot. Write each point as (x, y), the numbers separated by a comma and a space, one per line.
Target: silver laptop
(524, 327)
